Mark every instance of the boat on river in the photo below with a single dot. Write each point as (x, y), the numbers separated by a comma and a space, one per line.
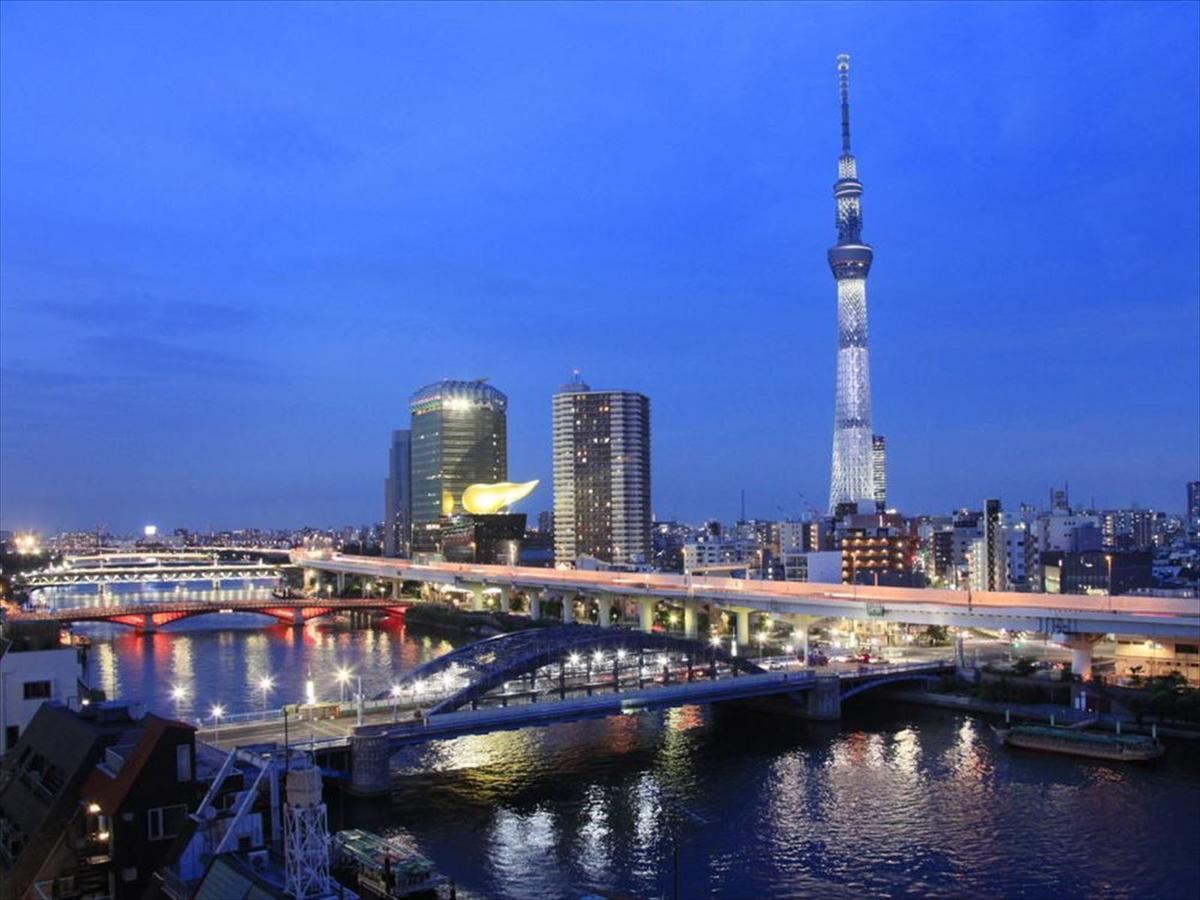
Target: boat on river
(384, 868)
(1074, 742)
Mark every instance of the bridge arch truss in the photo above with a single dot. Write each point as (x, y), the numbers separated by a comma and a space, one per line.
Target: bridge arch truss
(473, 671)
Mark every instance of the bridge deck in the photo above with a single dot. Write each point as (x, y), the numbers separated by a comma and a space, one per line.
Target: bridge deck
(442, 726)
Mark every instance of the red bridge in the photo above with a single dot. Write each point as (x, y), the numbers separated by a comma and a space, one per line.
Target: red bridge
(149, 617)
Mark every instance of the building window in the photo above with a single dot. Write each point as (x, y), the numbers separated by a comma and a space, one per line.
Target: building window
(37, 690)
(183, 763)
(165, 821)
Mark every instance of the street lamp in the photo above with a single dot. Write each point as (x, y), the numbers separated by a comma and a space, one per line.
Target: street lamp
(217, 711)
(1108, 560)
(265, 684)
(343, 678)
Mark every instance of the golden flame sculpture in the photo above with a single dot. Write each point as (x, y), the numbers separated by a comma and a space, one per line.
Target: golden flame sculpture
(485, 499)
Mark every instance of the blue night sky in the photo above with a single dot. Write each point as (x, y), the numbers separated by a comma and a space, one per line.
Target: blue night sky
(236, 237)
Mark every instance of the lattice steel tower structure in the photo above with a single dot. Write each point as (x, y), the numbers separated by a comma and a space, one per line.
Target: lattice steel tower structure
(852, 478)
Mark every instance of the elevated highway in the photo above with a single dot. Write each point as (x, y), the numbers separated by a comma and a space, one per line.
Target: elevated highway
(1041, 613)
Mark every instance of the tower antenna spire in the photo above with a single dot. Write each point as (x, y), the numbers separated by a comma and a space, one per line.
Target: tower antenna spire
(843, 67)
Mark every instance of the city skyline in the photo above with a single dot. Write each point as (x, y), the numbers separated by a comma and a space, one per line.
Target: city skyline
(692, 274)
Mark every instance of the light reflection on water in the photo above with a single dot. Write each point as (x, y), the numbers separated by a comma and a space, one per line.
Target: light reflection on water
(890, 801)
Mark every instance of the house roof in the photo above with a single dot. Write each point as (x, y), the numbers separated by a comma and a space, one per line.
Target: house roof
(108, 788)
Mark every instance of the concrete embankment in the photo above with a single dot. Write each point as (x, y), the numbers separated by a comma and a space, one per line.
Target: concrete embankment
(1037, 712)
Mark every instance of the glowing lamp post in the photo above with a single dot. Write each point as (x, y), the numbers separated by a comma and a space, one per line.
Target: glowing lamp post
(265, 684)
(343, 678)
(178, 693)
(217, 711)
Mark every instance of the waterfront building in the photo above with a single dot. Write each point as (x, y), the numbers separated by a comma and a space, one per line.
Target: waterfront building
(91, 802)
(852, 474)
(601, 442)
(397, 496)
(459, 437)
(879, 460)
(34, 669)
(1193, 505)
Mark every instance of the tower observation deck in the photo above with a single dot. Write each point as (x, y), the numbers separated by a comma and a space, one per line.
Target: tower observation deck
(852, 473)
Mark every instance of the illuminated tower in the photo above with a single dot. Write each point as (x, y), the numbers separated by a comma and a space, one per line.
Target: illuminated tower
(852, 479)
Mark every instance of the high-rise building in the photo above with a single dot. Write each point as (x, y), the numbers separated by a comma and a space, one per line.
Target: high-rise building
(397, 496)
(601, 475)
(459, 438)
(852, 477)
(990, 557)
(1193, 504)
(879, 461)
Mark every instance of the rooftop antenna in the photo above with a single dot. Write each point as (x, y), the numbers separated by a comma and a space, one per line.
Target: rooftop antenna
(843, 67)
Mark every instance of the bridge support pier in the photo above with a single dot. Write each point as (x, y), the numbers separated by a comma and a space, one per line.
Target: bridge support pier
(646, 613)
(604, 610)
(370, 770)
(148, 624)
(568, 609)
(535, 604)
(690, 609)
(505, 598)
(397, 586)
(824, 700)
(341, 583)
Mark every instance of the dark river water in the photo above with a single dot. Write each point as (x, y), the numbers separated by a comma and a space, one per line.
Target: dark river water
(893, 800)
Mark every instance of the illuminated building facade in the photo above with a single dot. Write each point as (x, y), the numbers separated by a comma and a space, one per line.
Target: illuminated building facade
(397, 496)
(877, 549)
(879, 461)
(601, 476)
(852, 476)
(459, 438)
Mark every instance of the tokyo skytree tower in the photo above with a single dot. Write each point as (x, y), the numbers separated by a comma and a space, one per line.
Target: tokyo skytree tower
(852, 475)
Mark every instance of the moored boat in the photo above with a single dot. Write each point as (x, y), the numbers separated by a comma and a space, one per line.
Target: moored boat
(385, 868)
(1094, 745)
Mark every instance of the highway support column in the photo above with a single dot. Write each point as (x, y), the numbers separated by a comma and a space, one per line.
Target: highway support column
(535, 604)
(568, 609)
(743, 628)
(476, 591)
(646, 613)
(1080, 646)
(604, 610)
(689, 618)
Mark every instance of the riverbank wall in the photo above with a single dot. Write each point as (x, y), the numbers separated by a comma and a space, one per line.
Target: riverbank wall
(1038, 712)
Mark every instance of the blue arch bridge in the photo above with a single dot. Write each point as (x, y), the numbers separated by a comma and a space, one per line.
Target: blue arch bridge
(546, 675)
